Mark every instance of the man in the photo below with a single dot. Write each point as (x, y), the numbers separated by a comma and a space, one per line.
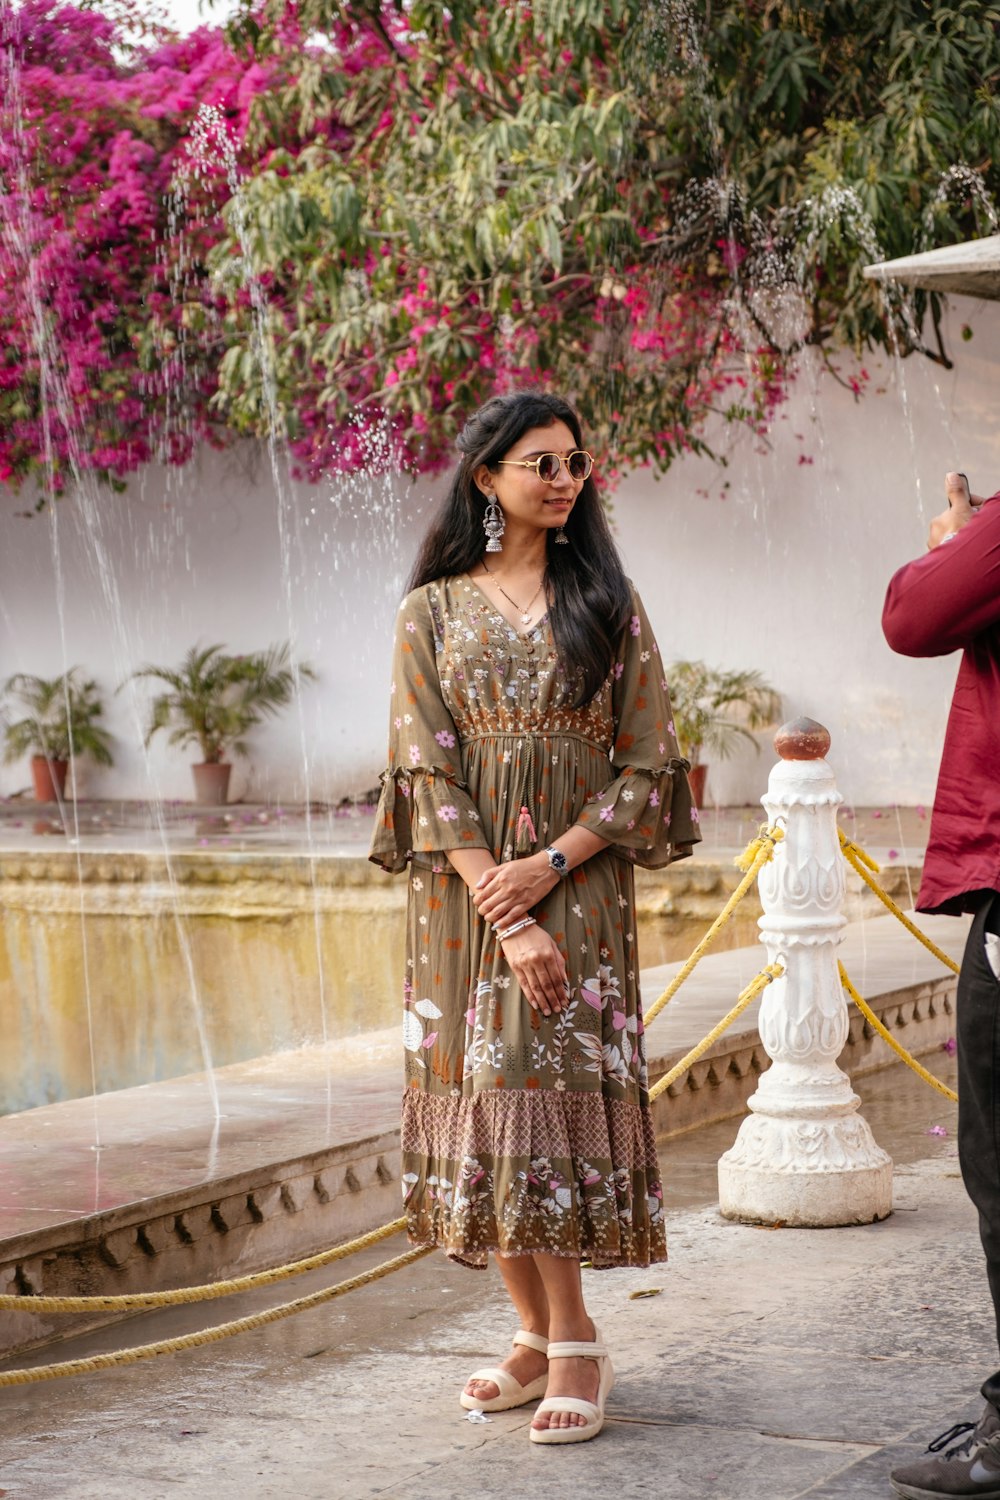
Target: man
(946, 601)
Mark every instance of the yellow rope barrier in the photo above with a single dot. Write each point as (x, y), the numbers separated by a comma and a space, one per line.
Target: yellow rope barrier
(887, 1036)
(12, 1302)
(753, 989)
(859, 860)
(208, 1335)
(752, 860)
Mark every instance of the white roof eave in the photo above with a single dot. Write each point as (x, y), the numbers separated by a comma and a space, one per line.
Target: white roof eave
(972, 269)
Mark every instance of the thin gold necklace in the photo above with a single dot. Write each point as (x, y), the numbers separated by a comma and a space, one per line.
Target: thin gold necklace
(525, 613)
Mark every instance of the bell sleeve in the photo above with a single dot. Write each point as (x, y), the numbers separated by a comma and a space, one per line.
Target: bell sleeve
(647, 812)
(425, 808)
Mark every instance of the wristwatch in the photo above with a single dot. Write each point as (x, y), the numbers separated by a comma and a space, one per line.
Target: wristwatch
(557, 860)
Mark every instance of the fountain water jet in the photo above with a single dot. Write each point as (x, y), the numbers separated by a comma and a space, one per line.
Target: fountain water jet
(20, 236)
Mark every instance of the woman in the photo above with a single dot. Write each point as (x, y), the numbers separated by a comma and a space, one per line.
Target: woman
(532, 760)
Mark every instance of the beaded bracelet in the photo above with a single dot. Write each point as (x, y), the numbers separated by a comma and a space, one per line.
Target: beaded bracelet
(506, 932)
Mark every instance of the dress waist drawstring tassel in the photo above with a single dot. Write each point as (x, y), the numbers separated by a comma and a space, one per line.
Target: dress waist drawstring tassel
(525, 835)
(526, 838)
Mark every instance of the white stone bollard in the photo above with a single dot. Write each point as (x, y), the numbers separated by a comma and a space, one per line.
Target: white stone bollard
(804, 1155)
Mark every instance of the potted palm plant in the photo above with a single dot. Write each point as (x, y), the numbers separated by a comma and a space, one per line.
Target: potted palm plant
(716, 711)
(58, 724)
(213, 700)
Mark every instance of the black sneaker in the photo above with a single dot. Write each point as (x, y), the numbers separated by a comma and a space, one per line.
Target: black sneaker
(970, 1467)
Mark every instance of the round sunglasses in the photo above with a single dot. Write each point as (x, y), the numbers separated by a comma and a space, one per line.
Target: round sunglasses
(579, 465)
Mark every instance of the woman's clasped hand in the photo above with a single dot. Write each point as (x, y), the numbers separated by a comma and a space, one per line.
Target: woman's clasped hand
(539, 968)
(506, 893)
(504, 896)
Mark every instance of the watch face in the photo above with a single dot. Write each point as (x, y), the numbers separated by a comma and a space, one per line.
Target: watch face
(557, 860)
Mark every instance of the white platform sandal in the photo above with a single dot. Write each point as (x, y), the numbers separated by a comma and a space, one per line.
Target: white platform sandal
(512, 1392)
(591, 1411)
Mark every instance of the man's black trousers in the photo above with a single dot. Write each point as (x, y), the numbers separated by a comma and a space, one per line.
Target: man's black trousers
(978, 1036)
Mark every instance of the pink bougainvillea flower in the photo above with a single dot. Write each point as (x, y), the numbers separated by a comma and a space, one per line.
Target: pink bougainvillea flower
(151, 303)
(93, 131)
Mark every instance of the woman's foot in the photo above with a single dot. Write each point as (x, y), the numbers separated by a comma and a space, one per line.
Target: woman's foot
(527, 1365)
(579, 1377)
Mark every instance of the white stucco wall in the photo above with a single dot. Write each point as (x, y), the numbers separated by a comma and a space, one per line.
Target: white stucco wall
(772, 563)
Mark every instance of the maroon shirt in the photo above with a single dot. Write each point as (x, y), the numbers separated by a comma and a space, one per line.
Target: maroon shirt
(949, 600)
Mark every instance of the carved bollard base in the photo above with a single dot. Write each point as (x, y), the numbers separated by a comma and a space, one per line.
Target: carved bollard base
(823, 1201)
(805, 1173)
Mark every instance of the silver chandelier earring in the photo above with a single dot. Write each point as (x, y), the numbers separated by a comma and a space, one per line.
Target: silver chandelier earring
(493, 524)
(562, 540)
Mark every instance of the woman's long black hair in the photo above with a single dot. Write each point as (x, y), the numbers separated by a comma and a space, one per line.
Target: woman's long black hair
(589, 593)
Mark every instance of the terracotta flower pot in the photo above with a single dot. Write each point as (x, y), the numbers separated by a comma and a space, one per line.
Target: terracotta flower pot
(49, 777)
(211, 783)
(697, 776)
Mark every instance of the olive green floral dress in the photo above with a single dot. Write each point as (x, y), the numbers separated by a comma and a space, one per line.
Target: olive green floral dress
(523, 1132)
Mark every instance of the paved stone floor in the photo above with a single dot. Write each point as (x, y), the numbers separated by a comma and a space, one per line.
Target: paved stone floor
(770, 1365)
